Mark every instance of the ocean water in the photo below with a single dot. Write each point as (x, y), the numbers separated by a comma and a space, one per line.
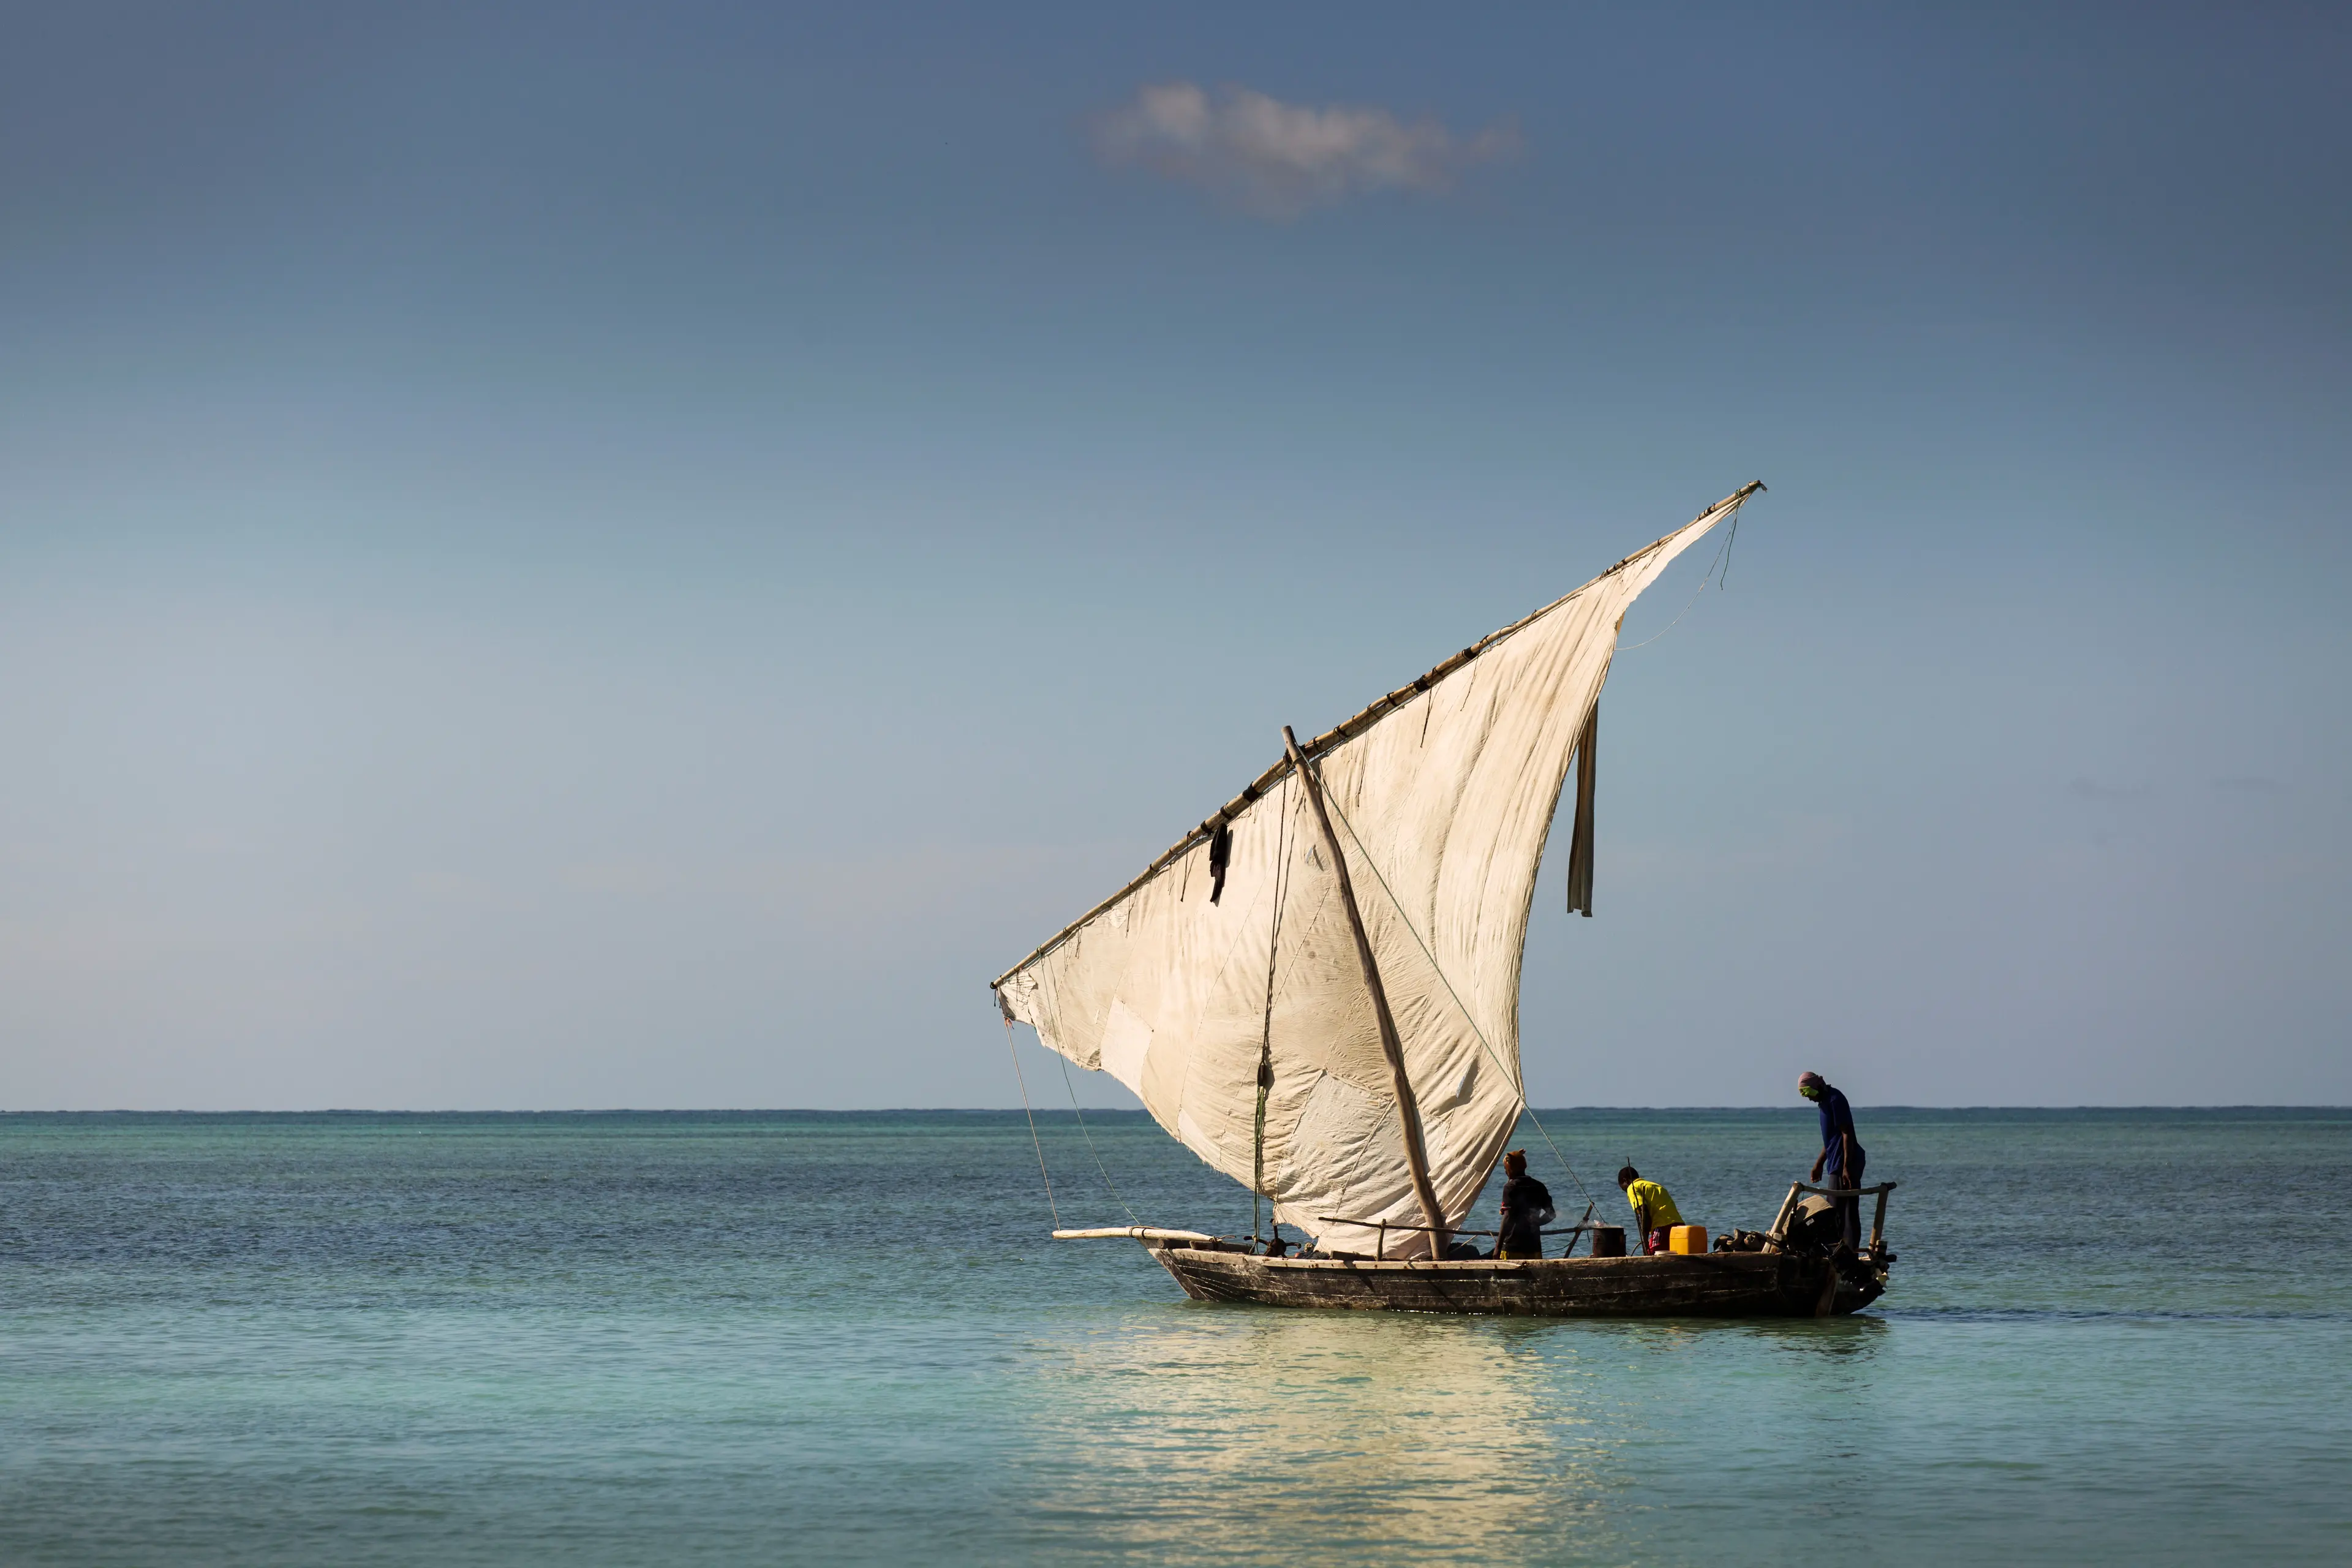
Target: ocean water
(745, 1338)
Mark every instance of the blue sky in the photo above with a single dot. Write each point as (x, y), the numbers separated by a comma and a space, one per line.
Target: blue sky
(561, 556)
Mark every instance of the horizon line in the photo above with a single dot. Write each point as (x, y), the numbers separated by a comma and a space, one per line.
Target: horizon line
(1099, 1110)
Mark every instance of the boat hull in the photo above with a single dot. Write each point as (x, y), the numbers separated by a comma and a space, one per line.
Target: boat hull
(1704, 1284)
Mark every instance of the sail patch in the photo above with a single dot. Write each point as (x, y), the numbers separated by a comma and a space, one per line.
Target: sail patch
(1340, 1154)
(1126, 1041)
(1462, 1090)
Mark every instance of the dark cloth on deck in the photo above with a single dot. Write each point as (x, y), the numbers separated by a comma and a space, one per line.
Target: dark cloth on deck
(1526, 1201)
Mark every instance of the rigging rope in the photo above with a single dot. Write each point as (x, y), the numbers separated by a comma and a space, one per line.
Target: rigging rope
(1089, 1137)
(1265, 1040)
(1018, 1077)
(1439, 970)
(1723, 559)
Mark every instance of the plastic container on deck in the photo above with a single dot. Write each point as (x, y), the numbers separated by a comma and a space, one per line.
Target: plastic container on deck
(1686, 1238)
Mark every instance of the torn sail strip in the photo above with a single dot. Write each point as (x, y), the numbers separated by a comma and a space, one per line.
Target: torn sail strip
(1579, 838)
(1171, 995)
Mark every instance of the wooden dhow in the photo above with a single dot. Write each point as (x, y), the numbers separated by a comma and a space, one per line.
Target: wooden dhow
(1704, 1284)
(1315, 990)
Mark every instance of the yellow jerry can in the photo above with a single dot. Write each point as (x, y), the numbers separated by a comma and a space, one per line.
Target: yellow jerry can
(1686, 1238)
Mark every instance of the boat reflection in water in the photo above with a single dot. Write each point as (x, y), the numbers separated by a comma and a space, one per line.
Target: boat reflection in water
(1244, 1435)
(1271, 1435)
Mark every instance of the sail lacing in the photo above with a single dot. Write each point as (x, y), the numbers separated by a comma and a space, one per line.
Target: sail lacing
(1517, 1086)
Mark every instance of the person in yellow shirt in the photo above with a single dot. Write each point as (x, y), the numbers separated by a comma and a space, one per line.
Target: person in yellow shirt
(1654, 1209)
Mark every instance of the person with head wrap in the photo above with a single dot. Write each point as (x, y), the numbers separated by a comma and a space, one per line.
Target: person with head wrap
(1842, 1154)
(1526, 1209)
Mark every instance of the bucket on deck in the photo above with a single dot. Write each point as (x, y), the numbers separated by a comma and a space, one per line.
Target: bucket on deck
(1686, 1238)
(1608, 1241)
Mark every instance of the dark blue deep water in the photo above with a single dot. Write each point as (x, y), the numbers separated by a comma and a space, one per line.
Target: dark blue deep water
(583, 1339)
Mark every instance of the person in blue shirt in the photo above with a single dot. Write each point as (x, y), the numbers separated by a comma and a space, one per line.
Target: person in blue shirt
(1841, 1153)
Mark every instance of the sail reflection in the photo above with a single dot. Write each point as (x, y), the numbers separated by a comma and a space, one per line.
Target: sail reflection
(1248, 1435)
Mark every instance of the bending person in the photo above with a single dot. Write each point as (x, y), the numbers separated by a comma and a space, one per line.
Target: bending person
(1654, 1209)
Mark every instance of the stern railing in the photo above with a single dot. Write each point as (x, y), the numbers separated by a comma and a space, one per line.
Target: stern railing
(1777, 1239)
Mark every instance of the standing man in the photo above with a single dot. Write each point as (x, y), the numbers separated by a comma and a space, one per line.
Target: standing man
(1841, 1153)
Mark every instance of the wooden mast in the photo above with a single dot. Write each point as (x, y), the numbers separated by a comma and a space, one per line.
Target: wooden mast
(1408, 1109)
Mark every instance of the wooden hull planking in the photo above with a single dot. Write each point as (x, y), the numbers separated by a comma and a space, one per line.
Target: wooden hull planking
(1701, 1285)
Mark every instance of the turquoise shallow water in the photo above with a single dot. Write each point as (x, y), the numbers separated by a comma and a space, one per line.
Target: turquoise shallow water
(639, 1338)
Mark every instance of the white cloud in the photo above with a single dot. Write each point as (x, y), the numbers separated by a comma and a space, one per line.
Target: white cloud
(1279, 159)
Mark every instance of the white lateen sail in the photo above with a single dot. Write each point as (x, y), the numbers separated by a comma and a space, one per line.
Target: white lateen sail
(1233, 948)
